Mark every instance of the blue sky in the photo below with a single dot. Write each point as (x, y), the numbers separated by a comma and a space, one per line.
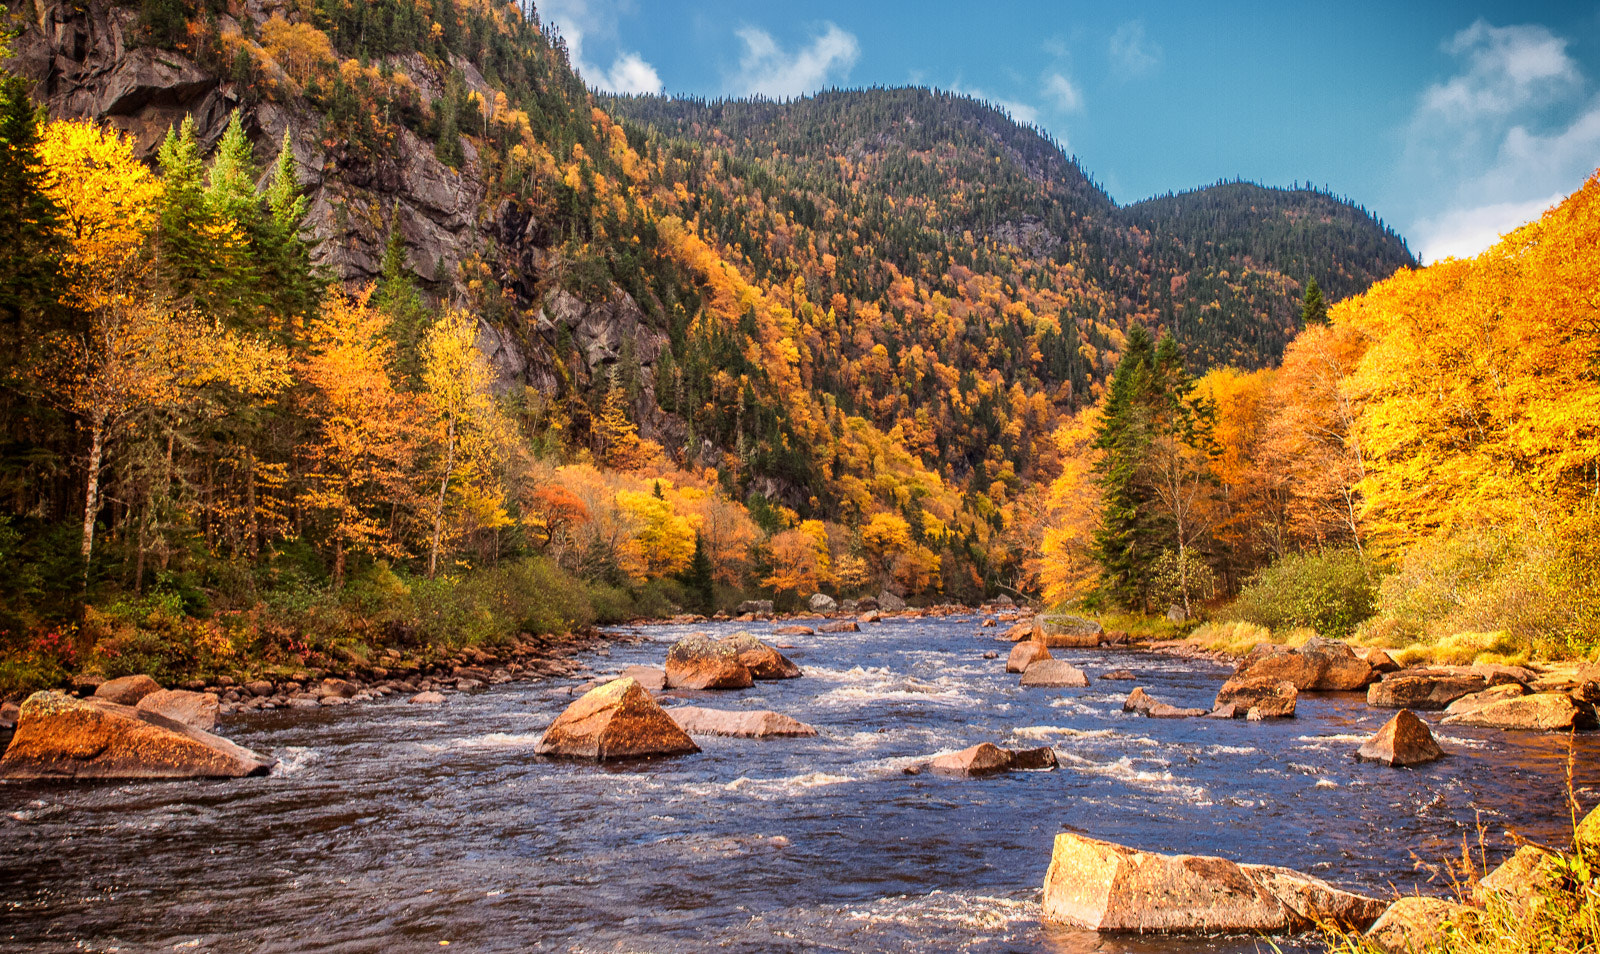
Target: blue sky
(1452, 121)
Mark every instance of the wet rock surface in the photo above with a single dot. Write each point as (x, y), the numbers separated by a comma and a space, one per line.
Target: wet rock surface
(618, 720)
(1109, 887)
(60, 737)
(1403, 740)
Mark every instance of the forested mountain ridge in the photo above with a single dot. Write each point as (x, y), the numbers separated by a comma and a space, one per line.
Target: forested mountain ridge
(1223, 266)
(857, 319)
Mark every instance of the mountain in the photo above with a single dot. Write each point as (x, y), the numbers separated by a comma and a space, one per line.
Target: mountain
(860, 302)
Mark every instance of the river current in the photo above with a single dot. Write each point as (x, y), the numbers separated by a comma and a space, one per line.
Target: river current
(398, 828)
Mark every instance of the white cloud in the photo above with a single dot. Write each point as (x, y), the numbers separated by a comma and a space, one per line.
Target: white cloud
(1494, 145)
(1507, 68)
(577, 19)
(1063, 93)
(767, 70)
(1133, 53)
(1465, 232)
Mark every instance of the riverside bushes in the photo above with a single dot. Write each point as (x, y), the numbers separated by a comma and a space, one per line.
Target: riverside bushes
(1330, 592)
(1535, 582)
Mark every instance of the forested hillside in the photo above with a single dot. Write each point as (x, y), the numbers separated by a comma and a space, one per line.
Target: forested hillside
(377, 294)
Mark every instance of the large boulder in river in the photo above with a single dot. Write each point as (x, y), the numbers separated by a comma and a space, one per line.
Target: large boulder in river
(700, 662)
(1025, 654)
(198, 709)
(1545, 711)
(1403, 740)
(890, 603)
(62, 737)
(1272, 698)
(1108, 887)
(618, 720)
(1424, 689)
(746, 724)
(1321, 665)
(1060, 631)
(1054, 674)
(755, 607)
(762, 660)
(127, 690)
(822, 603)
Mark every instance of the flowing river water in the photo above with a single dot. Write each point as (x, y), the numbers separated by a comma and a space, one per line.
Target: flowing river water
(397, 828)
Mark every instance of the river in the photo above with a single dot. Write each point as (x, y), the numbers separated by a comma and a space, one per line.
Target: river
(398, 828)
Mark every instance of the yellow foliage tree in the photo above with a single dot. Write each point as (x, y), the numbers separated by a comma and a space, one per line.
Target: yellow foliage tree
(470, 435)
(662, 540)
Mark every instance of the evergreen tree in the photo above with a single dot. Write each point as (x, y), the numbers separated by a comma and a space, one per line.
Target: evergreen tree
(1124, 538)
(233, 286)
(698, 581)
(1313, 310)
(287, 256)
(29, 250)
(399, 299)
(181, 230)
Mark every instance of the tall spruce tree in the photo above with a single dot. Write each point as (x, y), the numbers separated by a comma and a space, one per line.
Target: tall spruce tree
(697, 579)
(30, 253)
(1313, 309)
(286, 254)
(1151, 415)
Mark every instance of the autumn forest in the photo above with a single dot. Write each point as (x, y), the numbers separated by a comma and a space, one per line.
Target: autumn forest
(258, 407)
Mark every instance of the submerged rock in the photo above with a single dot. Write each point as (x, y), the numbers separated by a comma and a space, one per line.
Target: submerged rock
(429, 698)
(127, 690)
(651, 678)
(1055, 674)
(846, 626)
(750, 724)
(1108, 887)
(1545, 711)
(794, 631)
(1272, 698)
(1403, 740)
(1148, 706)
(62, 737)
(618, 720)
(1413, 924)
(1409, 689)
(989, 759)
(699, 662)
(1024, 655)
(198, 709)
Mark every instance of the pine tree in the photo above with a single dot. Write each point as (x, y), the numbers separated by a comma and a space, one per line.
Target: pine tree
(287, 256)
(1123, 541)
(1313, 310)
(233, 286)
(30, 254)
(399, 300)
(181, 229)
(697, 579)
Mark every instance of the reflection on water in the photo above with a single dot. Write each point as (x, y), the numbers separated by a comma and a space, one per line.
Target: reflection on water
(390, 827)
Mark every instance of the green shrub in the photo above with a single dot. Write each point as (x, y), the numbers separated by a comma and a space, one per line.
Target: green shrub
(1329, 592)
(1535, 582)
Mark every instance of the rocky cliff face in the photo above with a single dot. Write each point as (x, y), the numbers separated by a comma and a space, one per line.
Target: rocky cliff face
(86, 62)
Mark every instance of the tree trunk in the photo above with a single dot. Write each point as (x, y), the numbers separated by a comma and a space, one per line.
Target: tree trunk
(444, 487)
(91, 496)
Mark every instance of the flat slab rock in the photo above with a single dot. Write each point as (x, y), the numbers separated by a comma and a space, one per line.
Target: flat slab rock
(198, 709)
(1321, 665)
(1104, 886)
(1054, 674)
(744, 724)
(1412, 689)
(618, 720)
(1151, 708)
(1541, 712)
(61, 737)
(986, 758)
